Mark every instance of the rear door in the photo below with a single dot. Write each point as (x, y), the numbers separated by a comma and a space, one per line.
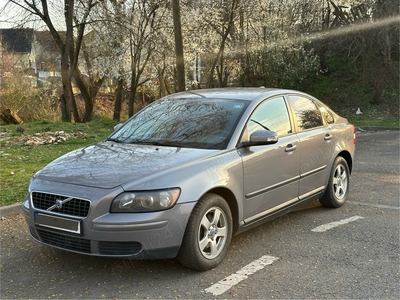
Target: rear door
(317, 143)
(271, 172)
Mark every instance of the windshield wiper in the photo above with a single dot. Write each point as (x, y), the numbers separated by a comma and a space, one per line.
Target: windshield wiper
(143, 142)
(172, 144)
(116, 140)
(158, 143)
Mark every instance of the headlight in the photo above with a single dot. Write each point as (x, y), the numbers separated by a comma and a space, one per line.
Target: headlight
(145, 201)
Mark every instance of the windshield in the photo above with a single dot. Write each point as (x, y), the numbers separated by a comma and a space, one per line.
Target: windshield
(193, 123)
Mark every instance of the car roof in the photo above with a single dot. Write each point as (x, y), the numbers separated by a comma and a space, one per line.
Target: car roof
(239, 93)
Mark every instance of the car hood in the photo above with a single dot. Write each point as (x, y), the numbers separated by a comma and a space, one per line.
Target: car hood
(108, 164)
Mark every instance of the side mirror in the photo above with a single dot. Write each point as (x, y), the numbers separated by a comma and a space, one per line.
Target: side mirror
(118, 126)
(261, 137)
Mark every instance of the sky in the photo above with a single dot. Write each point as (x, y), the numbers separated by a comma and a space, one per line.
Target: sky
(10, 16)
(6, 13)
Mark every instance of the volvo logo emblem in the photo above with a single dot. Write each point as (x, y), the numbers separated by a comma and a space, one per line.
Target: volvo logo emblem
(59, 203)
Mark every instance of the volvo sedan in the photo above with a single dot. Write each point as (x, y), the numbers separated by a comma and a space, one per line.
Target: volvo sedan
(191, 170)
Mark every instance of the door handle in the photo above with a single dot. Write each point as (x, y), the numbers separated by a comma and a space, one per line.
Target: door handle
(328, 137)
(290, 148)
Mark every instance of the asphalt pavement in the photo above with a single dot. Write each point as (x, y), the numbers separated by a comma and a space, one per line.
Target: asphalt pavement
(314, 253)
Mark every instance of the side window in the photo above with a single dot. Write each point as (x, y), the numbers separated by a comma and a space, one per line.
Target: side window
(307, 114)
(272, 115)
(326, 114)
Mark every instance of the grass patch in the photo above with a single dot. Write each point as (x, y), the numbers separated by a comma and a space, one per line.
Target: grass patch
(19, 162)
(360, 121)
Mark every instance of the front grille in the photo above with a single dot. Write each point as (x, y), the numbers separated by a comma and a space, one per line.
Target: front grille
(73, 206)
(119, 248)
(64, 241)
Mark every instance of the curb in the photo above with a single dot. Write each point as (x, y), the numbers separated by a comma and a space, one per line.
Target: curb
(16, 208)
(9, 210)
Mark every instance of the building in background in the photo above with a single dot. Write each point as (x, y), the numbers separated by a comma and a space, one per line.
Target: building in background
(17, 50)
(32, 55)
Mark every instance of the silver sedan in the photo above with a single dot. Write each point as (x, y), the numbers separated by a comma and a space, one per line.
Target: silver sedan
(188, 172)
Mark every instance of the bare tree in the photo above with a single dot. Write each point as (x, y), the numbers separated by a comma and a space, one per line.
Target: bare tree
(76, 16)
(137, 24)
(108, 48)
(142, 24)
(223, 26)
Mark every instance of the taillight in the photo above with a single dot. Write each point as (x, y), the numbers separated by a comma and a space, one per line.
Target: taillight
(354, 133)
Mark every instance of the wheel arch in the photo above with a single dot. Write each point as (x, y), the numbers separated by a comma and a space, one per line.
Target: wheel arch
(232, 202)
(347, 156)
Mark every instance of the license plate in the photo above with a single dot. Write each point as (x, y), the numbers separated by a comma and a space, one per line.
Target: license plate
(58, 223)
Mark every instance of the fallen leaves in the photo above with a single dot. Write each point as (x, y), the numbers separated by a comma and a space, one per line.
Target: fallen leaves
(42, 138)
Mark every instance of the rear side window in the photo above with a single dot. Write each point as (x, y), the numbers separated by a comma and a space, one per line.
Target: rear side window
(307, 114)
(326, 114)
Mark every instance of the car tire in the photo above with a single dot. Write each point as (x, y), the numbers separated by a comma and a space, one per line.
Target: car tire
(338, 185)
(208, 234)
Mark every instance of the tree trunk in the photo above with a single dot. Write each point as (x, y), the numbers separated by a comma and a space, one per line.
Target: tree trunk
(132, 96)
(70, 104)
(87, 97)
(180, 67)
(66, 98)
(88, 94)
(67, 49)
(64, 114)
(118, 99)
(161, 79)
(74, 107)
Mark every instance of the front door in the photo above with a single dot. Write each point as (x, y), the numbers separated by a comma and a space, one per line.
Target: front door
(271, 172)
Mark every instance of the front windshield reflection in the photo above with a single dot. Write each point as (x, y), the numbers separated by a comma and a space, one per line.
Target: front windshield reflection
(183, 123)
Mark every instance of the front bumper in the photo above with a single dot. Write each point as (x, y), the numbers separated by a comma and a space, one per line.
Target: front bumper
(156, 235)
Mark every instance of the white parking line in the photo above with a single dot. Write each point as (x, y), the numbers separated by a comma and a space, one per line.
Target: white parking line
(328, 226)
(228, 282)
